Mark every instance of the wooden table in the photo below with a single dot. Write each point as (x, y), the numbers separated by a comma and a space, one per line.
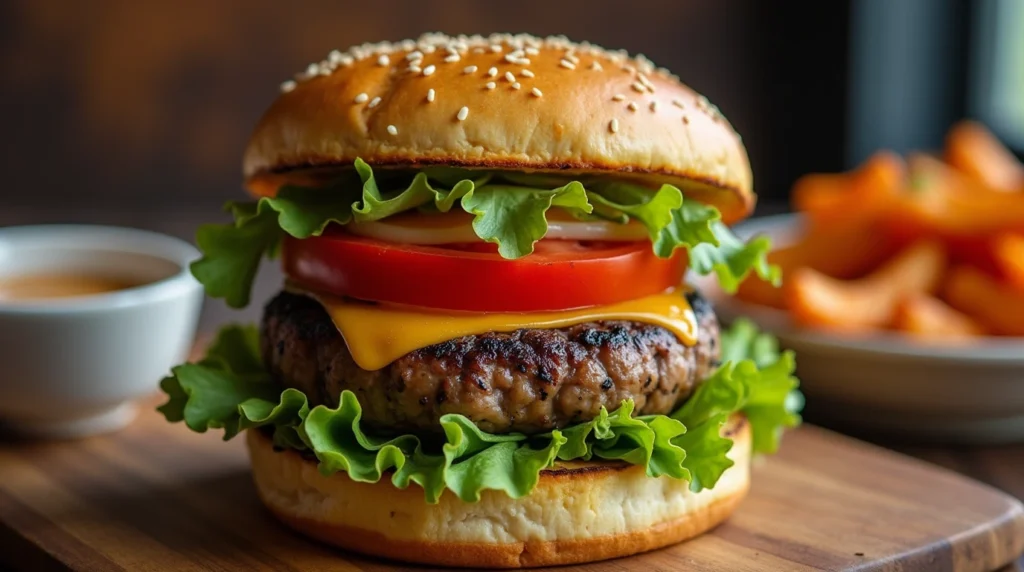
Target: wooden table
(1001, 466)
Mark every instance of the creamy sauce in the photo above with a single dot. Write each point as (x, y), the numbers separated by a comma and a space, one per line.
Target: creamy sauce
(54, 285)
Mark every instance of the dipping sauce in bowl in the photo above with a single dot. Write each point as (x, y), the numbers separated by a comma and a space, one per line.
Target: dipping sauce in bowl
(54, 285)
(91, 318)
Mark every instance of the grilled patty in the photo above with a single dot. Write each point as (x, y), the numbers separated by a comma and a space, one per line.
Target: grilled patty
(528, 381)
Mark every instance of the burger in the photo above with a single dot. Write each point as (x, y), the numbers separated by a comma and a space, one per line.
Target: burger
(484, 353)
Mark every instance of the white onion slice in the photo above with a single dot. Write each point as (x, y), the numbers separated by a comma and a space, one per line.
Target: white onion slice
(409, 230)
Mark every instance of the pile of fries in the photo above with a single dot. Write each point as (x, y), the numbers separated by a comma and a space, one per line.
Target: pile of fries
(930, 246)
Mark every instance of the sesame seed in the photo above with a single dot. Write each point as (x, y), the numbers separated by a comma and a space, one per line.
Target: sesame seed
(452, 59)
(596, 66)
(361, 98)
(490, 85)
(517, 57)
(334, 56)
(678, 104)
(510, 77)
(653, 106)
(429, 49)
(346, 60)
(492, 72)
(415, 68)
(430, 94)
(536, 92)
(631, 106)
(463, 113)
(392, 130)
(567, 64)
(572, 58)
(526, 73)
(383, 60)
(638, 87)
(374, 102)
(415, 55)
(429, 70)
(516, 85)
(618, 97)
(686, 119)
(532, 51)
(613, 126)
(469, 69)
(478, 50)
(496, 48)
(287, 86)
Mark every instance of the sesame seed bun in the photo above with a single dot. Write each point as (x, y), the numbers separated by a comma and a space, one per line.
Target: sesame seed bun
(579, 512)
(503, 102)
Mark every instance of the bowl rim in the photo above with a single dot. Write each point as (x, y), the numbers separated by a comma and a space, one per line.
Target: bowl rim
(87, 237)
(981, 350)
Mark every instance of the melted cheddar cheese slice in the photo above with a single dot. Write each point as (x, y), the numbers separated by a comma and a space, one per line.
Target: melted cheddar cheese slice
(378, 334)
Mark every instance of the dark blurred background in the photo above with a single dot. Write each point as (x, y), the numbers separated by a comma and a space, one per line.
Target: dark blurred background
(136, 113)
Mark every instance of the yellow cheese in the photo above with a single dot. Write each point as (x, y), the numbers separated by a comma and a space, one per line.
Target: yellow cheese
(378, 334)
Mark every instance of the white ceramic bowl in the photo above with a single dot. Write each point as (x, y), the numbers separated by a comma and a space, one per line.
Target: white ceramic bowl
(893, 384)
(71, 367)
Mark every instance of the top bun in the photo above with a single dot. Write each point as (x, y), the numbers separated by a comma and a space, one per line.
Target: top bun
(502, 102)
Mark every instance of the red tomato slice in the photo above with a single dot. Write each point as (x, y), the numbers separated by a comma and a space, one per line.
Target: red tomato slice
(559, 275)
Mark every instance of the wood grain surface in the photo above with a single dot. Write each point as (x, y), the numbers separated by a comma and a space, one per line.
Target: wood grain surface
(158, 497)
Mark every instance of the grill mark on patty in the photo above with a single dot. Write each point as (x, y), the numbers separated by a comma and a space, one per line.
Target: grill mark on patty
(530, 380)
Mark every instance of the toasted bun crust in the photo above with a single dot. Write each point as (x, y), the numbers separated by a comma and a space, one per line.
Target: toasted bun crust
(594, 111)
(579, 512)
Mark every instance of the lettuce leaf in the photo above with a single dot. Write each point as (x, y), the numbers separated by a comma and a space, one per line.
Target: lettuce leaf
(645, 441)
(757, 380)
(731, 259)
(706, 451)
(232, 254)
(420, 192)
(229, 390)
(510, 209)
(514, 217)
(622, 201)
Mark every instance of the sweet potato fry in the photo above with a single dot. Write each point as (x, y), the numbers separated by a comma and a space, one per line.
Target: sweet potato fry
(981, 296)
(924, 316)
(1008, 252)
(836, 199)
(846, 251)
(975, 150)
(869, 303)
(946, 203)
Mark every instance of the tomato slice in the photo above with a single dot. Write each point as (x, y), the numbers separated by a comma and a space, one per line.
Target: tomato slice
(559, 275)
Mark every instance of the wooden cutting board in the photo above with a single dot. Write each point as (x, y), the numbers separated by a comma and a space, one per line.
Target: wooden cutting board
(158, 497)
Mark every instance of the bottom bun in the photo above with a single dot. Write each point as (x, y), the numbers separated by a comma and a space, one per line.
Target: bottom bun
(579, 512)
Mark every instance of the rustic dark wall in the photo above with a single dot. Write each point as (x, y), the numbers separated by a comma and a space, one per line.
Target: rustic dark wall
(149, 103)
